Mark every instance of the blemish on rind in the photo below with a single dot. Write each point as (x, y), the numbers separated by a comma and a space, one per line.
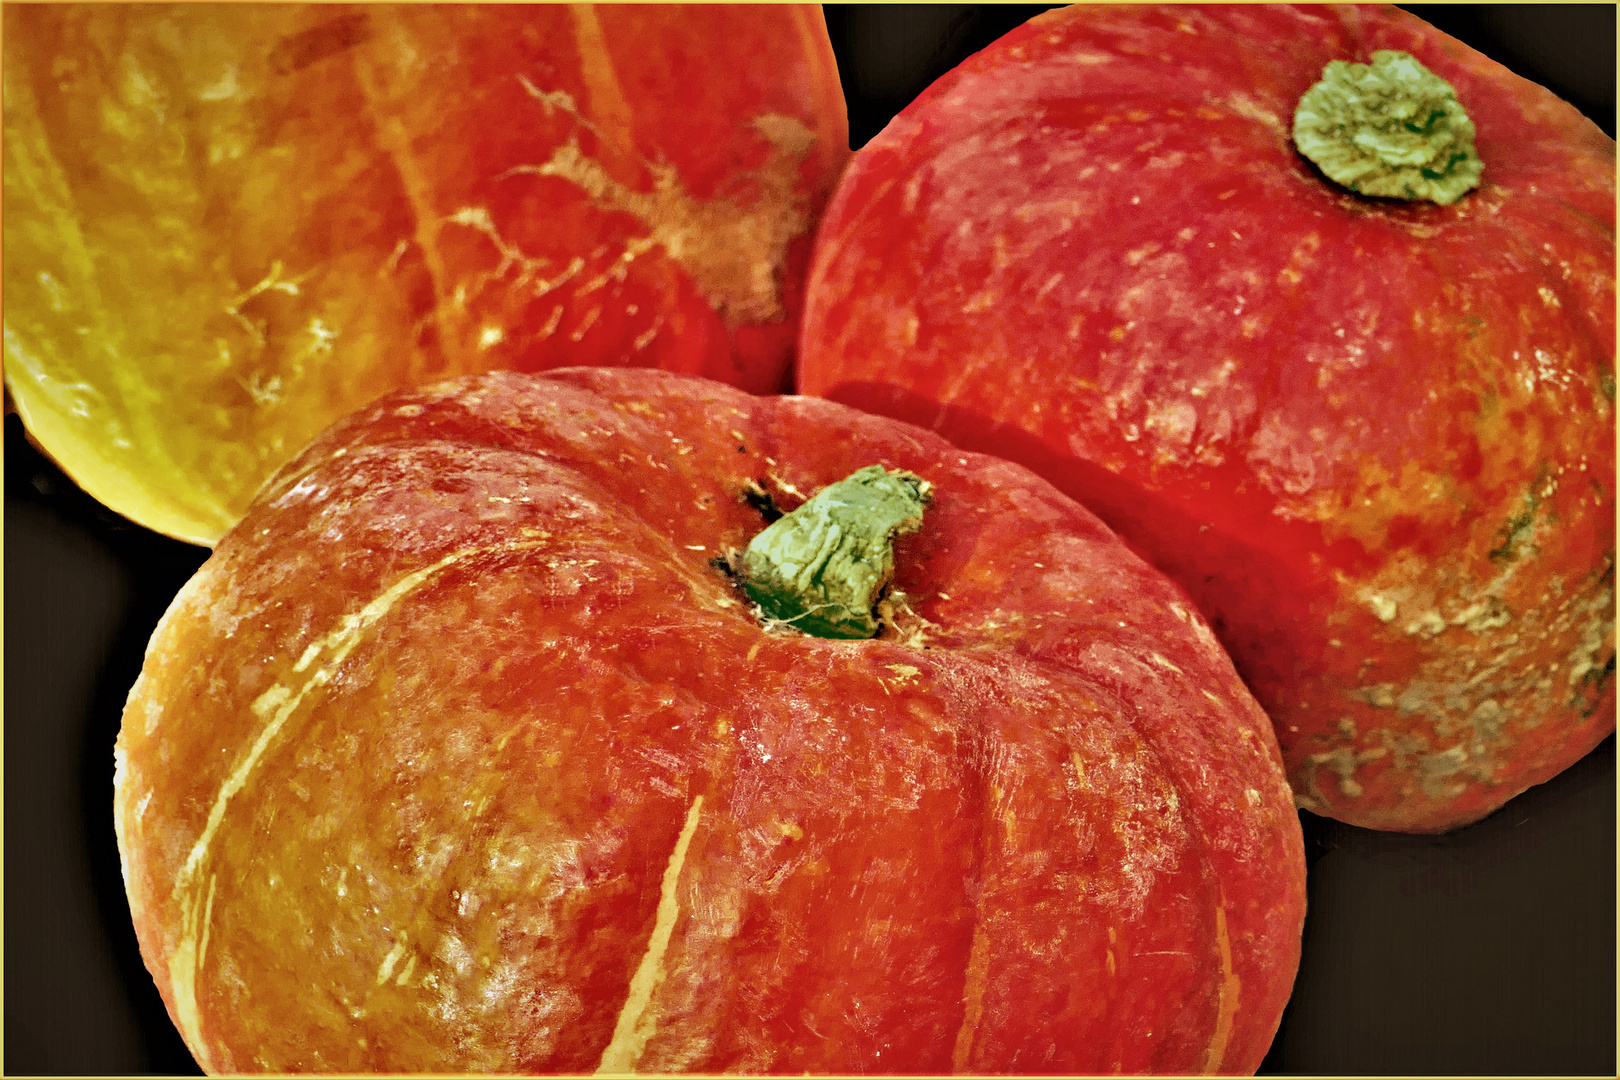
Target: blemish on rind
(1344, 761)
(1430, 624)
(1517, 534)
(1434, 771)
(1378, 695)
(735, 254)
(1493, 674)
(904, 672)
(1482, 616)
(1383, 606)
(1586, 654)
(554, 100)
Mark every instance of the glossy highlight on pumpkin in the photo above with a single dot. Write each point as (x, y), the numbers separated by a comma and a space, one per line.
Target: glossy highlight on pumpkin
(467, 726)
(1374, 440)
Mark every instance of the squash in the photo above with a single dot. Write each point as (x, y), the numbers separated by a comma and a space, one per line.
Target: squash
(228, 225)
(1373, 438)
(466, 751)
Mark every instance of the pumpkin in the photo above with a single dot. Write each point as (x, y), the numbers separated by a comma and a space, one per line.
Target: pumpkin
(228, 225)
(465, 750)
(1372, 437)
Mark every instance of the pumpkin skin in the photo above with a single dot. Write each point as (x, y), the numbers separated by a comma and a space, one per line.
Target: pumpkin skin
(462, 728)
(229, 225)
(1373, 440)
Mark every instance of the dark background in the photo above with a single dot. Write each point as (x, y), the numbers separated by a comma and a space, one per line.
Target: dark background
(1490, 950)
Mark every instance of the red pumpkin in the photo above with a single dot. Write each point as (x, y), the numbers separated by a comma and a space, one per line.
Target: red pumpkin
(227, 225)
(462, 752)
(1374, 439)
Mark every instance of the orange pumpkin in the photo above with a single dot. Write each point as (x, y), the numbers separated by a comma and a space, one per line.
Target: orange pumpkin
(462, 753)
(1373, 439)
(228, 225)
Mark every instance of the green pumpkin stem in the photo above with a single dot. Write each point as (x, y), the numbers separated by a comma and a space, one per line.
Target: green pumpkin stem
(822, 568)
(1391, 129)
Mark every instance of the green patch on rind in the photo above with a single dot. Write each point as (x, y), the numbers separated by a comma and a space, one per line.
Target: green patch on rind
(1518, 532)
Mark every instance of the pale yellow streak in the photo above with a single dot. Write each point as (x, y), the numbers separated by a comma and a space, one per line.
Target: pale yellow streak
(610, 114)
(1229, 995)
(281, 702)
(393, 958)
(182, 975)
(394, 140)
(405, 976)
(972, 998)
(275, 705)
(207, 919)
(631, 1033)
(1167, 665)
(184, 963)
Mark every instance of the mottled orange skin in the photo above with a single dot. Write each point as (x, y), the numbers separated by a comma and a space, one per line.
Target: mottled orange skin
(227, 225)
(413, 759)
(1374, 440)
